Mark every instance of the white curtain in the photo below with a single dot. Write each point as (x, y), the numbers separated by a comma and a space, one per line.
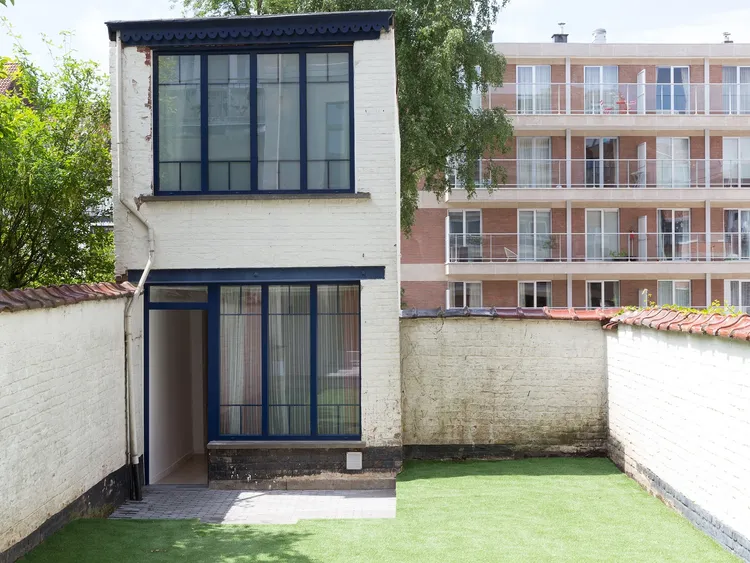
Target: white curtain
(543, 89)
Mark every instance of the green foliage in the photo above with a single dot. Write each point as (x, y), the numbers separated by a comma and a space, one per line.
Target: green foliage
(54, 175)
(4, 4)
(716, 308)
(440, 44)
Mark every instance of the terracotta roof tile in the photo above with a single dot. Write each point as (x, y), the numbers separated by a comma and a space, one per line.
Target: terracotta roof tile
(713, 324)
(54, 296)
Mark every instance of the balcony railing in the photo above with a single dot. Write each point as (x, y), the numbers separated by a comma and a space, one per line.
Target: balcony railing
(596, 247)
(622, 98)
(614, 173)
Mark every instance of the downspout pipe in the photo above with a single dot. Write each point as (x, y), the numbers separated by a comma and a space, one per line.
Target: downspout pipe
(134, 458)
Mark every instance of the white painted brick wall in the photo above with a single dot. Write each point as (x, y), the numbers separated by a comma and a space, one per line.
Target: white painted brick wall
(62, 409)
(679, 405)
(288, 233)
(536, 384)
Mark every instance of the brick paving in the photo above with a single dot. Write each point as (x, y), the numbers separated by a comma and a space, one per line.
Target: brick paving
(256, 507)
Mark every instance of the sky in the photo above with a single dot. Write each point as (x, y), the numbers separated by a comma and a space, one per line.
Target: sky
(627, 21)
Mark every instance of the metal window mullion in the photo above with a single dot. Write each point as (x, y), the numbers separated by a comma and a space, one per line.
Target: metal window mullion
(254, 122)
(313, 359)
(264, 358)
(213, 360)
(303, 121)
(204, 124)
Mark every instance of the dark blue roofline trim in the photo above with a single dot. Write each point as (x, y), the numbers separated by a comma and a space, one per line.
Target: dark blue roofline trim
(286, 28)
(255, 275)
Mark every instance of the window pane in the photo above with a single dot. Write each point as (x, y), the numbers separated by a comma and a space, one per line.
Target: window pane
(176, 294)
(526, 294)
(328, 127)
(179, 122)
(278, 122)
(611, 294)
(664, 293)
(240, 363)
(338, 381)
(682, 293)
(289, 361)
(543, 294)
(457, 294)
(474, 294)
(228, 117)
(594, 294)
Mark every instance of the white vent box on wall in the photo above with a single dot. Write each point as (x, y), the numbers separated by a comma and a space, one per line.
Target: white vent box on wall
(353, 461)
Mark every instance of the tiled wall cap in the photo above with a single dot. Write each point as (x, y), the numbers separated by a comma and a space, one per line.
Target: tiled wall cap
(513, 313)
(725, 326)
(55, 296)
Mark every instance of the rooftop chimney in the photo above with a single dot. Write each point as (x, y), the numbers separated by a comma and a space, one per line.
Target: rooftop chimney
(600, 35)
(726, 37)
(561, 37)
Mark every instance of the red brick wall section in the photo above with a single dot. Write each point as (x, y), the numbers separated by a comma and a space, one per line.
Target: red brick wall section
(698, 293)
(717, 290)
(500, 293)
(423, 294)
(426, 245)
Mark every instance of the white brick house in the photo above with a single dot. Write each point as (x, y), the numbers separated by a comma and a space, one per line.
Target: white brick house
(256, 170)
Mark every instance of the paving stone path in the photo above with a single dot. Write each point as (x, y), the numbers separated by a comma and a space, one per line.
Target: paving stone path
(256, 507)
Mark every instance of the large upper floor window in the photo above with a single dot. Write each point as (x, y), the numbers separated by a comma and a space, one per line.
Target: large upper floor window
(254, 122)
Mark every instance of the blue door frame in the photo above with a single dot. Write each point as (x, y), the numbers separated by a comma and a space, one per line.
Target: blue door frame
(263, 277)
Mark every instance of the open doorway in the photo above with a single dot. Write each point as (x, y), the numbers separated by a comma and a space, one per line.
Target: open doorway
(177, 386)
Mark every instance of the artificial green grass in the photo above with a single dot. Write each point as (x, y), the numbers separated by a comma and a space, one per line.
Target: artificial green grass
(480, 511)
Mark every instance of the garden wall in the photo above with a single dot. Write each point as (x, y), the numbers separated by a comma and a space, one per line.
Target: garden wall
(502, 387)
(62, 409)
(679, 418)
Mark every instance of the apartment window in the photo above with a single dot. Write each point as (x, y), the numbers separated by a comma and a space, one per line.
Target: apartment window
(602, 237)
(737, 294)
(602, 294)
(601, 162)
(601, 89)
(672, 89)
(464, 294)
(535, 294)
(736, 89)
(736, 163)
(478, 175)
(534, 162)
(535, 238)
(289, 361)
(465, 235)
(674, 234)
(737, 234)
(673, 162)
(534, 89)
(673, 292)
(254, 122)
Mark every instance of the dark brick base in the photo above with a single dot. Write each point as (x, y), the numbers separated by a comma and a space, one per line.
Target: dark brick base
(99, 501)
(499, 451)
(286, 468)
(728, 537)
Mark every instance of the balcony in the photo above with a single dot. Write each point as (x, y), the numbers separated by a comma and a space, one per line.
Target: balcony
(660, 106)
(619, 181)
(622, 99)
(620, 254)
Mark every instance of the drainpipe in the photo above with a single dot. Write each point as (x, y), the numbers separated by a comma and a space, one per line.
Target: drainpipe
(136, 493)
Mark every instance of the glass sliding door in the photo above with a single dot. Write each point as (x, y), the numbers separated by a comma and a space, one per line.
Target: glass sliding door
(737, 234)
(602, 239)
(535, 294)
(673, 89)
(673, 162)
(534, 90)
(288, 360)
(601, 162)
(601, 89)
(736, 162)
(534, 162)
(736, 89)
(737, 295)
(674, 234)
(602, 294)
(465, 236)
(672, 292)
(535, 239)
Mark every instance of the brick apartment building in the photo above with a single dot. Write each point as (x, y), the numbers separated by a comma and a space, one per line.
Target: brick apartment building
(629, 171)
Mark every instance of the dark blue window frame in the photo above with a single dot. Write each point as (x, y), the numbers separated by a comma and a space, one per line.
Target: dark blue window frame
(253, 188)
(213, 336)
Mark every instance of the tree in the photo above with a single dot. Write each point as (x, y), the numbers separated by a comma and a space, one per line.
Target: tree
(442, 56)
(54, 175)
(4, 3)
